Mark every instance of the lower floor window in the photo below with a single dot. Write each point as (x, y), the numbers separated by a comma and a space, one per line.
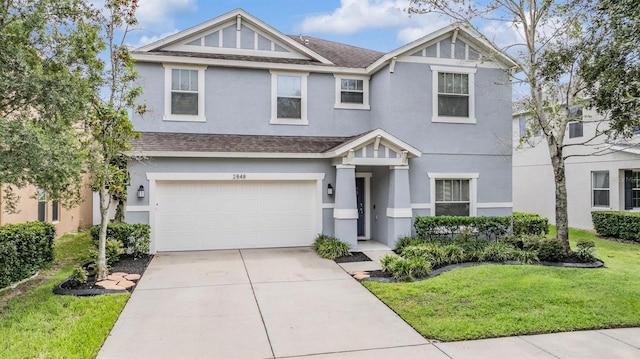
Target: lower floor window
(600, 188)
(452, 197)
(55, 211)
(41, 196)
(635, 189)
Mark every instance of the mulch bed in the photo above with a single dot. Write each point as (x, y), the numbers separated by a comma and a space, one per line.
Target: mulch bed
(127, 264)
(354, 257)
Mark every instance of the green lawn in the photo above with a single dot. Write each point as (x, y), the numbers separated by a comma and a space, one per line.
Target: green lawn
(503, 300)
(40, 324)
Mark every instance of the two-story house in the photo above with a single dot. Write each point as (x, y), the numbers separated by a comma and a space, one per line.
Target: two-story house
(258, 139)
(601, 175)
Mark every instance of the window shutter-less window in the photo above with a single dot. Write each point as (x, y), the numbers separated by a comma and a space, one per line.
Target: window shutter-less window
(628, 190)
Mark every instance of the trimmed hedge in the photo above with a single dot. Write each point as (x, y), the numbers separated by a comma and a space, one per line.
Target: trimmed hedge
(617, 224)
(135, 238)
(24, 249)
(488, 227)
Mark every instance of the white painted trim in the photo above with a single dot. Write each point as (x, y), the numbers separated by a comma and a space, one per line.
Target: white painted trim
(399, 212)
(386, 138)
(495, 205)
(435, 70)
(452, 62)
(326, 205)
(420, 205)
(303, 120)
(137, 208)
(367, 202)
(365, 92)
(236, 51)
(224, 154)
(168, 116)
(202, 176)
(341, 213)
(345, 166)
(153, 204)
(473, 189)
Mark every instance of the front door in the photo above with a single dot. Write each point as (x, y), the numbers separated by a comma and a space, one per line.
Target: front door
(361, 205)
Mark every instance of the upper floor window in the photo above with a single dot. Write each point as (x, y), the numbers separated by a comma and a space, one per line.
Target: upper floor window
(575, 127)
(352, 92)
(636, 130)
(184, 93)
(600, 188)
(453, 94)
(289, 98)
(525, 124)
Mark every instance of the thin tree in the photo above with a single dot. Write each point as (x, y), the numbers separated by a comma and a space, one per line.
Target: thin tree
(553, 44)
(109, 125)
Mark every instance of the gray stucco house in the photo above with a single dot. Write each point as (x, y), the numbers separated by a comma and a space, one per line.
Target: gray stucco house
(258, 139)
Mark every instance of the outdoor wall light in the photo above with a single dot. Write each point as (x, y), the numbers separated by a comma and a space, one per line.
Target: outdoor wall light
(330, 189)
(141, 191)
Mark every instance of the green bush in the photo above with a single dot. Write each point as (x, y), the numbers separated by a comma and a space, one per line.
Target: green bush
(79, 274)
(24, 249)
(497, 252)
(586, 251)
(407, 241)
(529, 224)
(526, 256)
(550, 250)
(331, 247)
(617, 224)
(405, 269)
(135, 238)
(113, 249)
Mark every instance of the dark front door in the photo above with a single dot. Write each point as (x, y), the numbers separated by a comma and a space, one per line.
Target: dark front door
(361, 205)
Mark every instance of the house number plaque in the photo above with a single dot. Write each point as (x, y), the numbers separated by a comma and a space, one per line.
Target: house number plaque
(239, 176)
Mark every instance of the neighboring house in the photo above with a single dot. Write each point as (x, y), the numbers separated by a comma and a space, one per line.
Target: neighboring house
(34, 205)
(600, 175)
(257, 139)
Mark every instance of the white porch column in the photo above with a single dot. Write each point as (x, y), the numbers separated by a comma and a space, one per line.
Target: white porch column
(345, 213)
(399, 213)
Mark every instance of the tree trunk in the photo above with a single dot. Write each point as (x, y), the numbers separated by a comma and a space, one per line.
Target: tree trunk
(562, 217)
(101, 263)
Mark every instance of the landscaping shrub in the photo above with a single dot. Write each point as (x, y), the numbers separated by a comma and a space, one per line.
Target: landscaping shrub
(135, 238)
(586, 250)
(112, 249)
(617, 224)
(331, 247)
(79, 274)
(407, 241)
(405, 269)
(497, 252)
(550, 250)
(529, 224)
(24, 249)
(526, 256)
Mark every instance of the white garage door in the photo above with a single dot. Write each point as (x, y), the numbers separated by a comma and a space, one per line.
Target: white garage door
(198, 215)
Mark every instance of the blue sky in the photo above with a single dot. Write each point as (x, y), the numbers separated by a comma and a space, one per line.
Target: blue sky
(375, 24)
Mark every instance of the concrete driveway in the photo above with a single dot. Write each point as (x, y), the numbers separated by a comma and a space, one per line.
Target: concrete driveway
(258, 303)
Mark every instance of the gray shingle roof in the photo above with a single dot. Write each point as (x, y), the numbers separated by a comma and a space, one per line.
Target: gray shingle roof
(231, 57)
(340, 54)
(191, 142)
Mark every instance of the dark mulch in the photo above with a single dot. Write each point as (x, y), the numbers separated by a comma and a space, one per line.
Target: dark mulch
(354, 257)
(127, 264)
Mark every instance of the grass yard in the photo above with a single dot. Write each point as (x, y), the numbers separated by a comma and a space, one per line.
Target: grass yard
(503, 300)
(35, 323)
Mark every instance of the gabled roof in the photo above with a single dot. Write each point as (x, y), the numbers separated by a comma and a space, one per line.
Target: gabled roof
(376, 136)
(230, 16)
(469, 35)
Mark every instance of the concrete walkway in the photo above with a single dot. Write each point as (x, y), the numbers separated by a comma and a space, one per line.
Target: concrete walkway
(289, 303)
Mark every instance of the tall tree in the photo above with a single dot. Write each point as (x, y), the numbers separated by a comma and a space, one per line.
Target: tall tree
(613, 72)
(48, 76)
(109, 125)
(552, 46)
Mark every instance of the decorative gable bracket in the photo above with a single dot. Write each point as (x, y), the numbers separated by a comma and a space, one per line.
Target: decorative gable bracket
(375, 148)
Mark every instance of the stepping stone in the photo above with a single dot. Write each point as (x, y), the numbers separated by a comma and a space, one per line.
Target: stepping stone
(361, 276)
(115, 277)
(115, 287)
(126, 284)
(120, 274)
(102, 283)
(132, 276)
(354, 273)
(109, 284)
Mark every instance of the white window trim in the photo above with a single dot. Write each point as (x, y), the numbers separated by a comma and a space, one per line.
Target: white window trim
(167, 94)
(569, 129)
(634, 189)
(435, 70)
(274, 99)
(365, 95)
(608, 189)
(473, 189)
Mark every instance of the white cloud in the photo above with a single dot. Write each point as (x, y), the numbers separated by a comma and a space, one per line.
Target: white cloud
(159, 14)
(147, 39)
(356, 15)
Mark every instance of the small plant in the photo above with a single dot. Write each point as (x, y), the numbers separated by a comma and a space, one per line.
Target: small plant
(528, 256)
(497, 252)
(586, 251)
(405, 269)
(453, 253)
(550, 250)
(407, 241)
(79, 274)
(330, 247)
(113, 249)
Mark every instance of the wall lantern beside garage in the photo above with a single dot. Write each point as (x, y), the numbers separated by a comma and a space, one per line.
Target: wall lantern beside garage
(330, 189)
(141, 191)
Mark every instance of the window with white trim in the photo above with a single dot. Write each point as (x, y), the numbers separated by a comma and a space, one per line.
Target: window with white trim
(453, 194)
(55, 211)
(635, 189)
(453, 94)
(289, 98)
(184, 93)
(576, 128)
(600, 188)
(352, 92)
(41, 196)
(452, 197)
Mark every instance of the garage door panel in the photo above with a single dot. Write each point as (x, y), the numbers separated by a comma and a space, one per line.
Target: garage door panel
(194, 215)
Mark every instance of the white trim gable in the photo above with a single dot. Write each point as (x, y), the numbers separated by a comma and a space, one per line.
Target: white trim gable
(280, 45)
(377, 147)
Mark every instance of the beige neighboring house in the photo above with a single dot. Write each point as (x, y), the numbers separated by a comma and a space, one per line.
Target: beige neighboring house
(34, 206)
(607, 180)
